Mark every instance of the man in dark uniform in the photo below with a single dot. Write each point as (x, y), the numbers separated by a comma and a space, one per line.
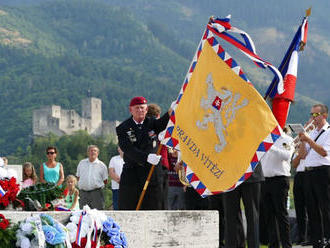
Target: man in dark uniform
(249, 191)
(137, 137)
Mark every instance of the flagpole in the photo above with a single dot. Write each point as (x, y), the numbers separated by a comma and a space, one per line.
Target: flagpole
(151, 171)
(283, 65)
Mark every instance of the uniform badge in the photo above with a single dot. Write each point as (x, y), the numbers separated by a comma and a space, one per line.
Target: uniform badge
(131, 135)
(153, 136)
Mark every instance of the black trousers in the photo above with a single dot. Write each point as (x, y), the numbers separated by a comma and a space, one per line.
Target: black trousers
(318, 204)
(234, 235)
(275, 196)
(216, 203)
(132, 181)
(193, 201)
(300, 203)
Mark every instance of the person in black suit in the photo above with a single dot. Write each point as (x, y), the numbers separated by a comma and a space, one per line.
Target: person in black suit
(137, 137)
(249, 191)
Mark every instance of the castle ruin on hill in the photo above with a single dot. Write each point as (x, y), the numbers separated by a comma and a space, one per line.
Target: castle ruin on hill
(54, 119)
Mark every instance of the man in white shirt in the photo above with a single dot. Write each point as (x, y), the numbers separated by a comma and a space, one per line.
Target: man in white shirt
(92, 176)
(317, 167)
(276, 168)
(115, 168)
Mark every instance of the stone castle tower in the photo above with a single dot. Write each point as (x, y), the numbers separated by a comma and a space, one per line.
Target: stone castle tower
(54, 119)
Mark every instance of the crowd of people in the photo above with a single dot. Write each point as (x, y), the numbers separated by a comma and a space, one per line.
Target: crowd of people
(264, 194)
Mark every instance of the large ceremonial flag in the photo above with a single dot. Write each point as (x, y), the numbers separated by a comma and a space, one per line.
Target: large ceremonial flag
(288, 68)
(221, 124)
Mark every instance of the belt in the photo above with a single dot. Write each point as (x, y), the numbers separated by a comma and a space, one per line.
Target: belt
(91, 190)
(316, 168)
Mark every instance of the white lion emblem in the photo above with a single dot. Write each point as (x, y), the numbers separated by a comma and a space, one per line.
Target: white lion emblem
(218, 102)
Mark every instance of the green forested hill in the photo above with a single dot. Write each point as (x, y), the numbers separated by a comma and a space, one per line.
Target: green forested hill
(52, 52)
(73, 46)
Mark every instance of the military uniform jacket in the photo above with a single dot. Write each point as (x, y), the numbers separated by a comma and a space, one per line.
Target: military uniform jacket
(137, 143)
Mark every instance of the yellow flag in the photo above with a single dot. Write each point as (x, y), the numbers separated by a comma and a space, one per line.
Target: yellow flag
(219, 123)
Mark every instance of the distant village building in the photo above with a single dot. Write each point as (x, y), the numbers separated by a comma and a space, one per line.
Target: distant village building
(54, 119)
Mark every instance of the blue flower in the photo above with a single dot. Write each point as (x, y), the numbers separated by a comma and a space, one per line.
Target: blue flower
(116, 240)
(54, 235)
(50, 233)
(123, 239)
(107, 225)
(113, 231)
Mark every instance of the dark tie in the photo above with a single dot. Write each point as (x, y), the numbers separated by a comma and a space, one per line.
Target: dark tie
(139, 126)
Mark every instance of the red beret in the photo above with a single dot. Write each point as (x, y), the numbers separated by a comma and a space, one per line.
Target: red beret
(138, 100)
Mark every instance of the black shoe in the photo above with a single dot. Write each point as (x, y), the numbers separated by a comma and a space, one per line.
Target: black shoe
(306, 243)
(327, 244)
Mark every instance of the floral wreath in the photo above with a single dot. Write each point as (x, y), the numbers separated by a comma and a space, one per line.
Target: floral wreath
(4, 223)
(7, 232)
(91, 228)
(8, 191)
(41, 231)
(112, 235)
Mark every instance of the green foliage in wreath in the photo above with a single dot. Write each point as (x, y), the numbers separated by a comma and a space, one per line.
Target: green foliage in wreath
(43, 192)
(7, 232)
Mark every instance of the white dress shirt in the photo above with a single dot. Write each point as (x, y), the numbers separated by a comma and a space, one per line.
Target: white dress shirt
(276, 161)
(313, 159)
(91, 174)
(301, 166)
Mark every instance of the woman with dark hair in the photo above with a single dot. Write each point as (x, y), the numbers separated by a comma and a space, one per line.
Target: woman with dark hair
(52, 171)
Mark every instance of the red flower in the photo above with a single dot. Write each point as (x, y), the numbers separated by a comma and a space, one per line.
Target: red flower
(11, 188)
(4, 222)
(83, 244)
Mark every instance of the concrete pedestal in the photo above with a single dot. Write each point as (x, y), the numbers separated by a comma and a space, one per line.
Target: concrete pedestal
(180, 229)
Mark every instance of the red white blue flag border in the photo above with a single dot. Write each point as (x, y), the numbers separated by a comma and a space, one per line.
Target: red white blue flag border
(171, 142)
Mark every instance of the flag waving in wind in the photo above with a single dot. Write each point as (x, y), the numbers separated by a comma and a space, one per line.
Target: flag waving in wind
(220, 123)
(288, 68)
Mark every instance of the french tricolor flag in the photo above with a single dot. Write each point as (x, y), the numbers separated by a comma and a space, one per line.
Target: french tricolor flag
(288, 68)
(2, 192)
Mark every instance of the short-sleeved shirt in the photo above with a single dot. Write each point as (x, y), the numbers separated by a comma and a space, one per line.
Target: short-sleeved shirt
(27, 183)
(117, 163)
(276, 161)
(313, 159)
(91, 174)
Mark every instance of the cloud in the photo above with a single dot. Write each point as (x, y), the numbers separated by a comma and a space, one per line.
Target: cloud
(268, 35)
(3, 12)
(320, 42)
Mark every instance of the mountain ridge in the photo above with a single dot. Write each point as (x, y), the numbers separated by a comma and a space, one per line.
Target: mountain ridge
(116, 49)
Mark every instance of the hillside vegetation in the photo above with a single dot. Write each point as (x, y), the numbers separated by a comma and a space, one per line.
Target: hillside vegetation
(53, 52)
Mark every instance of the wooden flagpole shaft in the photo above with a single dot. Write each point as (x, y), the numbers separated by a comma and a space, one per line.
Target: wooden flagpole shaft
(147, 181)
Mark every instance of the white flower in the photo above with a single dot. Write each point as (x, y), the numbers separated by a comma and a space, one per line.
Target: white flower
(72, 228)
(26, 228)
(25, 243)
(74, 219)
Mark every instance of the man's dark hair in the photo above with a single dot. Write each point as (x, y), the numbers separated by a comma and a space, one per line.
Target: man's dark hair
(153, 110)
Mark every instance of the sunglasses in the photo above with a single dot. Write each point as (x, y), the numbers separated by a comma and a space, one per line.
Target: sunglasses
(51, 153)
(315, 114)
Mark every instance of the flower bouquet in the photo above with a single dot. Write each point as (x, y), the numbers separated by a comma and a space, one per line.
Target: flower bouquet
(7, 232)
(91, 228)
(41, 231)
(44, 193)
(84, 227)
(8, 191)
(112, 236)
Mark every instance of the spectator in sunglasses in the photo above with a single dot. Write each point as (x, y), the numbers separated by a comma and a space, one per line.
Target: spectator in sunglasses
(52, 171)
